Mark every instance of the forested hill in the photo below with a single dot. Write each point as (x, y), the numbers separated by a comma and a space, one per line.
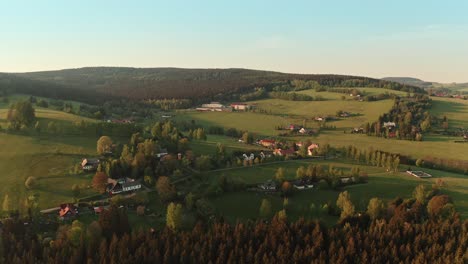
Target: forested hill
(409, 81)
(198, 84)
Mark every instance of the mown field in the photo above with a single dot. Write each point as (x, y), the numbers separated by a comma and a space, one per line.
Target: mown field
(382, 184)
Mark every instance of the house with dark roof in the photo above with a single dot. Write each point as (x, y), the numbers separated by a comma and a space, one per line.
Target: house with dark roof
(303, 184)
(162, 153)
(90, 164)
(122, 185)
(268, 186)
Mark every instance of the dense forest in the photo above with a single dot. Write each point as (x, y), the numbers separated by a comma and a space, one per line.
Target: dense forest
(100, 83)
(356, 240)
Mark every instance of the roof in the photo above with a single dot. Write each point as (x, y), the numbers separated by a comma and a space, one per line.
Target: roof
(162, 151)
(238, 104)
(67, 208)
(285, 151)
(267, 141)
(89, 161)
(130, 184)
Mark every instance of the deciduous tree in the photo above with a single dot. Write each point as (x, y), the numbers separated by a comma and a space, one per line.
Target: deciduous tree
(100, 182)
(104, 144)
(174, 216)
(166, 191)
(265, 208)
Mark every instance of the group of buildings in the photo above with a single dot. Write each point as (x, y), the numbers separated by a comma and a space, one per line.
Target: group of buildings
(218, 107)
(279, 151)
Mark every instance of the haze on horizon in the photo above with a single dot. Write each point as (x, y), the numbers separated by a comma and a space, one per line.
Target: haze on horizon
(421, 39)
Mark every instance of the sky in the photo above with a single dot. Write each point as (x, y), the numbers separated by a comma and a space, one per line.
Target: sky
(423, 39)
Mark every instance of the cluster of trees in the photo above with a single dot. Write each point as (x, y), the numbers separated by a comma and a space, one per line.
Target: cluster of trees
(459, 166)
(378, 97)
(170, 104)
(373, 157)
(198, 133)
(257, 93)
(291, 96)
(21, 115)
(410, 116)
(138, 158)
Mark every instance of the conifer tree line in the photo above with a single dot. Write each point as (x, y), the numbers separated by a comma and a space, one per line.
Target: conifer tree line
(354, 240)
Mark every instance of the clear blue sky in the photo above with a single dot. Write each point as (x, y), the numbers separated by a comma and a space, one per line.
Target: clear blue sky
(425, 39)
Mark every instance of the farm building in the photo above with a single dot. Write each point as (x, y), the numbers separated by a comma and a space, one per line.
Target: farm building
(241, 106)
(213, 106)
(389, 124)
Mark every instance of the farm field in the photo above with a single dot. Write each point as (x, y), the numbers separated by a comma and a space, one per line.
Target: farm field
(381, 184)
(366, 111)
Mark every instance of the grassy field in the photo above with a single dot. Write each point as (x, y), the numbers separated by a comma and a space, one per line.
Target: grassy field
(381, 184)
(433, 145)
(208, 147)
(455, 110)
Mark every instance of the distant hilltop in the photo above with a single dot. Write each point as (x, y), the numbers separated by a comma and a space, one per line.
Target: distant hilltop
(95, 84)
